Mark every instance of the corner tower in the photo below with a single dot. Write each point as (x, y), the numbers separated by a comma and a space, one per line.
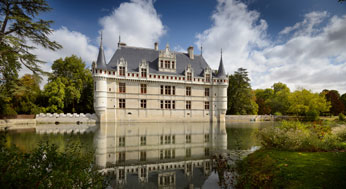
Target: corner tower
(100, 85)
(221, 91)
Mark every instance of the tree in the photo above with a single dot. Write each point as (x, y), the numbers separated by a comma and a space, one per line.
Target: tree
(20, 31)
(343, 100)
(306, 103)
(26, 94)
(333, 97)
(20, 28)
(78, 84)
(263, 97)
(241, 99)
(54, 91)
(279, 103)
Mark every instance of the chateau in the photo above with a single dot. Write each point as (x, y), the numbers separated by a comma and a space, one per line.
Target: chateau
(152, 85)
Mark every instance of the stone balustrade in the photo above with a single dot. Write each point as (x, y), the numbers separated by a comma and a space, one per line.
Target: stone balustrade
(65, 118)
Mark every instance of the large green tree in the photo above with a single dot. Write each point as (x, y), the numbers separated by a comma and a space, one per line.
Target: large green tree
(241, 99)
(21, 30)
(305, 103)
(78, 83)
(54, 91)
(279, 102)
(343, 100)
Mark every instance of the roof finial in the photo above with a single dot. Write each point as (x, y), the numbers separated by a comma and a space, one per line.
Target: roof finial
(201, 50)
(221, 52)
(119, 41)
(119, 38)
(101, 40)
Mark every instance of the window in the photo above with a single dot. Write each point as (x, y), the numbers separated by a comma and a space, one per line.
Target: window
(173, 90)
(173, 104)
(167, 90)
(143, 140)
(173, 66)
(167, 139)
(122, 103)
(121, 141)
(161, 104)
(188, 105)
(144, 72)
(206, 105)
(206, 137)
(161, 154)
(143, 103)
(167, 64)
(167, 104)
(206, 151)
(143, 172)
(188, 91)
(161, 139)
(143, 156)
(173, 139)
(188, 152)
(206, 92)
(162, 89)
(121, 174)
(188, 138)
(121, 157)
(189, 76)
(207, 78)
(122, 88)
(143, 88)
(121, 71)
(161, 65)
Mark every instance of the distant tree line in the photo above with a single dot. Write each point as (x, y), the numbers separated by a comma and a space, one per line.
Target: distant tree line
(279, 100)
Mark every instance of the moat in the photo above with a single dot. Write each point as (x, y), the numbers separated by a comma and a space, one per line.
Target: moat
(150, 155)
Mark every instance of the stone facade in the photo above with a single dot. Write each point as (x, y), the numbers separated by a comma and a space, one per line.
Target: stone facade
(148, 85)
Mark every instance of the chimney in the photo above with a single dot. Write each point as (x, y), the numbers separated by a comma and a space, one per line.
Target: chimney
(190, 51)
(156, 46)
(121, 45)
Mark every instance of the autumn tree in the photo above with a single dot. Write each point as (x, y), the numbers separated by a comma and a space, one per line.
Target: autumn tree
(241, 99)
(263, 97)
(333, 97)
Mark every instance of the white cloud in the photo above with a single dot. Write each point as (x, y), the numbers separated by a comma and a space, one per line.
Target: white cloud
(312, 56)
(136, 21)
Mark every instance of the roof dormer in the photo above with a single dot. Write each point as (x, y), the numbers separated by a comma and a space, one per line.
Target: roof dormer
(143, 68)
(167, 60)
(122, 67)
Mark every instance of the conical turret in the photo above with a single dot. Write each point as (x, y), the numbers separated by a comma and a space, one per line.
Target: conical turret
(101, 60)
(221, 72)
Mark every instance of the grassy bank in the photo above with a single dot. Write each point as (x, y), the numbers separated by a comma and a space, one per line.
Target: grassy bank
(284, 169)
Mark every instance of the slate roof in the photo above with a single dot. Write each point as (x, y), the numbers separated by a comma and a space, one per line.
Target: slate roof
(101, 60)
(221, 71)
(135, 55)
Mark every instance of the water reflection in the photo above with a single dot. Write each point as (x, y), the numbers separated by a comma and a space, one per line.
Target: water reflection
(152, 155)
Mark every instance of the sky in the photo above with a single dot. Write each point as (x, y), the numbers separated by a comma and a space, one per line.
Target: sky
(300, 43)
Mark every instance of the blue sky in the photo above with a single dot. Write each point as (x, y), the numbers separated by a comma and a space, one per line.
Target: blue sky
(275, 40)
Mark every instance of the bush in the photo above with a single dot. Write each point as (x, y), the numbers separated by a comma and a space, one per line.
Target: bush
(342, 117)
(296, 136)
(312, 115)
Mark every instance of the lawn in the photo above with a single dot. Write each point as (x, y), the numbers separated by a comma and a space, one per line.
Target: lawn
(283, 169)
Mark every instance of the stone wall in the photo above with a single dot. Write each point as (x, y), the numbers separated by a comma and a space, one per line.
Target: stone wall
(65, 118)
(249, 118)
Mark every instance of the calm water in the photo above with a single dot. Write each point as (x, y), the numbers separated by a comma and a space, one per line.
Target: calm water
(149, 155)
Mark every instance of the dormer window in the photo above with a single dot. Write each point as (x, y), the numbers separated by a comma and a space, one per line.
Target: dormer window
(207, 78)
(188, 76)
(121, 71)
(167, 60)
(161, 65)
(173, 66)
(166, 64)
(144, 72)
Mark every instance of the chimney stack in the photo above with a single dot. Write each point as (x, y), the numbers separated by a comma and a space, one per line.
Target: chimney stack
(190, 51)
(156, 44)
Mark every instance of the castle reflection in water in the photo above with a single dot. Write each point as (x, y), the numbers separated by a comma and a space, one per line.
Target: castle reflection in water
(158, 155)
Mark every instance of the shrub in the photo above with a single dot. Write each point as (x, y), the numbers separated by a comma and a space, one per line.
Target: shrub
(312, 115)
(297, 136)
(342, 117)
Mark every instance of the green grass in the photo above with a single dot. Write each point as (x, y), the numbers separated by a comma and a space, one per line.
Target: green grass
(283, 169)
